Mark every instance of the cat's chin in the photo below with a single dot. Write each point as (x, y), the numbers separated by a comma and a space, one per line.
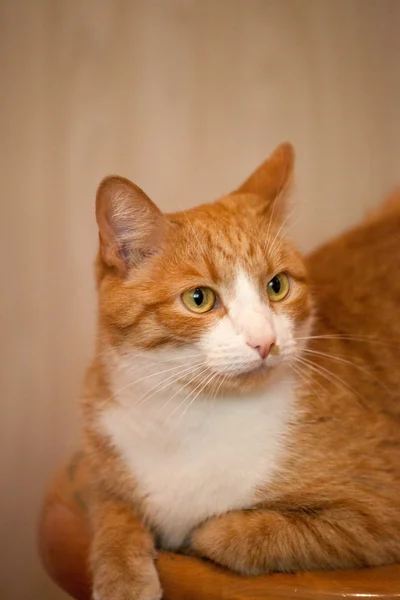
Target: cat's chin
(248, 381)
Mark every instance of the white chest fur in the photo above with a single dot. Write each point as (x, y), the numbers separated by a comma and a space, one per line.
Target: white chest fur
(206, 462)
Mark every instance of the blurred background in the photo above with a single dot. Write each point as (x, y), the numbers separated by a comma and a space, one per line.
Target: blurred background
(185, 97)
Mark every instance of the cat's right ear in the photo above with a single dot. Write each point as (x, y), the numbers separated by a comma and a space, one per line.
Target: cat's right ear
(131, 227)
(271, 181)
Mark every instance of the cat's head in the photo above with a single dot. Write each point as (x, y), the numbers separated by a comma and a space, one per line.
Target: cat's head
(216, 288)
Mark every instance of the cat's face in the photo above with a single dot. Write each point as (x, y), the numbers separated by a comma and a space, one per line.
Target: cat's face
(217, 292)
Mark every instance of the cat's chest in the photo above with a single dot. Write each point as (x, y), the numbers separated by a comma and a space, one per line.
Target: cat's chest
(206, 462)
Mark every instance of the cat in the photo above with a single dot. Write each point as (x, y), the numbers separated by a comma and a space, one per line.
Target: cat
(234, 410)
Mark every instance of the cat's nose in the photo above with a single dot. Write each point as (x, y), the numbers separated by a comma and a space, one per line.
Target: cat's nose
(263, 349)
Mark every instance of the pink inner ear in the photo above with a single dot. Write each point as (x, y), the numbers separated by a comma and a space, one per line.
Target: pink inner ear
(147, 252)
(124, 251)
(130, 224)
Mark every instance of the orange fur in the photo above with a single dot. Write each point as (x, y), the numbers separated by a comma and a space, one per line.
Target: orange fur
(391, 206)
(335, 501)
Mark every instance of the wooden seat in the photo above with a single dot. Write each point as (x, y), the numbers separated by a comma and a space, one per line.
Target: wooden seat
(64, 541)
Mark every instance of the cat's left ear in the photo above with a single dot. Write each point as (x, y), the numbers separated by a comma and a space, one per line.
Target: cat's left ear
(131, 227)
(271, 181)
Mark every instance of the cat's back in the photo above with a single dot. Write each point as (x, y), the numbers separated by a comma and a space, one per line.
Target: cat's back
(355, 344)
(350, 397)
(356, 286)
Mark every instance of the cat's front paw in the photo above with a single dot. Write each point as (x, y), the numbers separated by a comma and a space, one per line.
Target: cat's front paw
(136, 581)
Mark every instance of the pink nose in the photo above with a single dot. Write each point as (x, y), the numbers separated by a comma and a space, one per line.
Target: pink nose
(262, 349)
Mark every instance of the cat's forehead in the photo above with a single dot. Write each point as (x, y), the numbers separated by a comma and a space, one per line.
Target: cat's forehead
(221, 227)
(217, 243)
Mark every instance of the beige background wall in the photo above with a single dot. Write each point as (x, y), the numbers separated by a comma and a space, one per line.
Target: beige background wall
(185, 97)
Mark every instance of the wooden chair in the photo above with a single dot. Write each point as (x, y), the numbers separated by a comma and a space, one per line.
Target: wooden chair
(64, 541)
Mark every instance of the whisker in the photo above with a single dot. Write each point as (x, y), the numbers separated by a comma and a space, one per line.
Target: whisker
(323, 372)
(155, 355)
(219, 383)
(166, 383)
(151, 356)
(352, 337)
(150, 367)
(212, 376)
(348, 362)
(182, 388)
(158, 373)
(271, 220)
(304, 377)
(277, 196)
(271, 243)
(187, 396)
(131, 383)
(281, 237)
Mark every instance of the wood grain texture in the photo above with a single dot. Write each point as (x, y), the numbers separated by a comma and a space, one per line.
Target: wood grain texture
(184, 97)
(65, 544)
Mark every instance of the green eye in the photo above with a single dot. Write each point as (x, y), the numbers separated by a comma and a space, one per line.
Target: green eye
(278, 287)
(199, 300)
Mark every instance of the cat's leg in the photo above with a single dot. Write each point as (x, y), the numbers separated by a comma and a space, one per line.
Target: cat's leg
(122, 555)
(260, 541)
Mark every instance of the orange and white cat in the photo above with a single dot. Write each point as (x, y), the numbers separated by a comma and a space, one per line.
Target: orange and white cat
(232, 410)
